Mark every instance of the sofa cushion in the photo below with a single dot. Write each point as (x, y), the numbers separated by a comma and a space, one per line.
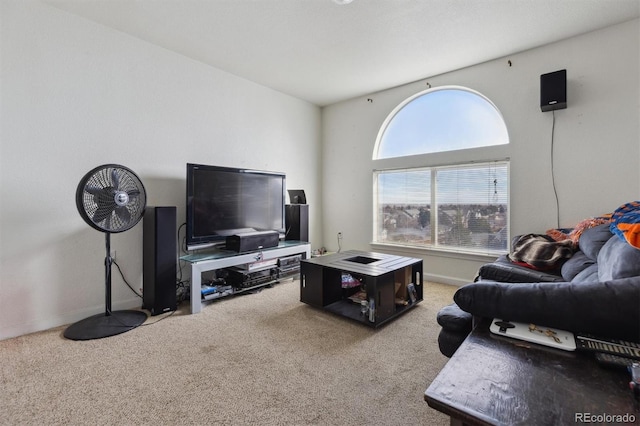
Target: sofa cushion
(618, 259)
(587, 275)
(578, 263)
(593, 239)
(608, 309)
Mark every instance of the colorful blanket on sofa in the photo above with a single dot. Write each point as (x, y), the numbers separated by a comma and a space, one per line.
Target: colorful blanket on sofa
(625, 223)
(540, 251)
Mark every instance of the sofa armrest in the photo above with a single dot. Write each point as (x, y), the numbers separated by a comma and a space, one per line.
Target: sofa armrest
(503, 270)
(608, 309)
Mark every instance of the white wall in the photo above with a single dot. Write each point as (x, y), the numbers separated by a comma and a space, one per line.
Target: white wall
(75, 95)
(597, 141)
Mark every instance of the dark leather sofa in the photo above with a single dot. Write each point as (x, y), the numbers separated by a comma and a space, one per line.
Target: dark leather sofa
(595, 291)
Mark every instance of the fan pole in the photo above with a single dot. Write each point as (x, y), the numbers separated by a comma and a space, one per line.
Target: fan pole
(110, 323)
(107, 273)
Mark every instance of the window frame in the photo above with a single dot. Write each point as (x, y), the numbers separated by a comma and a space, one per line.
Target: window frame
(435, 204)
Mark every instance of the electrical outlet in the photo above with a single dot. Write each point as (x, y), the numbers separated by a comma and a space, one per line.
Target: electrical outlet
(113, 255)
(339, 235)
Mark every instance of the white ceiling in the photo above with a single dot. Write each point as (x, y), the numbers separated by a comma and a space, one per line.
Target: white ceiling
(324, 52)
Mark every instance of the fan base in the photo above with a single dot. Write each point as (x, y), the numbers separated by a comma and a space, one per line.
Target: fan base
(103, 325)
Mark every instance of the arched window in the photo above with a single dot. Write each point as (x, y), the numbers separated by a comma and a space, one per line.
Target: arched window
(442, 119)
(460, 205)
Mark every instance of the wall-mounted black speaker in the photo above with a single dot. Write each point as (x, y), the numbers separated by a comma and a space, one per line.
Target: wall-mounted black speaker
(159, 259)
(296, 220)
(553, 90)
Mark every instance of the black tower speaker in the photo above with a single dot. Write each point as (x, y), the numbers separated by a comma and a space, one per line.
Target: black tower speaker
(159, 260)
(553, 91)
(297, 222)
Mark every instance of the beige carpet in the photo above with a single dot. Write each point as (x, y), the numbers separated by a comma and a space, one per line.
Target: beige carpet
(261, 359)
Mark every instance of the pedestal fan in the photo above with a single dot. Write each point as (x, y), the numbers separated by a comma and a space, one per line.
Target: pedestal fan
(111, 199)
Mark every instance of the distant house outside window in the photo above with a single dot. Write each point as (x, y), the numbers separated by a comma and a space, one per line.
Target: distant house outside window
(461, 206)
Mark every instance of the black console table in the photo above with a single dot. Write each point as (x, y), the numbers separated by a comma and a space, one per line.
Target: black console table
(494, 380)
(383, 279)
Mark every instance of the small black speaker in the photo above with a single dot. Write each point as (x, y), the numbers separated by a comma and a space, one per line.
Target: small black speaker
(159, 259)
(553, 91)
(297, 222)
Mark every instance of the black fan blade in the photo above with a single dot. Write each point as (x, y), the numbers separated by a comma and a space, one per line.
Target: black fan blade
(102, 213)
(123, 214)
(107, 222)
(105, 199)
(93, 190)
(115, 179)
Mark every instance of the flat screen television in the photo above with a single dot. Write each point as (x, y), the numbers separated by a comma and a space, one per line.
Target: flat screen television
(223, 201)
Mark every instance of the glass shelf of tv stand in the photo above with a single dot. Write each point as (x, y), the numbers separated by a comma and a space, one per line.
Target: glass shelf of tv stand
(218, 253)
(212, 259)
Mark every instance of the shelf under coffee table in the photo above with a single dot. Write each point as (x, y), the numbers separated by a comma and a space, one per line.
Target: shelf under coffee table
(382, 278)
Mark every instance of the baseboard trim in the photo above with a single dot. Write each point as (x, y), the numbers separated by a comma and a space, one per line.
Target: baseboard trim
(444, 279)
(43, 324)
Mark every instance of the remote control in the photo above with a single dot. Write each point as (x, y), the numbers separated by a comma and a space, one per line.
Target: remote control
(611, 346)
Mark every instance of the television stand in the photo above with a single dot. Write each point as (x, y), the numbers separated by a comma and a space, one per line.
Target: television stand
(206, 261)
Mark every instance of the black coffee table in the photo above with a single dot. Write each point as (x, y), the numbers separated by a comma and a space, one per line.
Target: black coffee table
(382, 278)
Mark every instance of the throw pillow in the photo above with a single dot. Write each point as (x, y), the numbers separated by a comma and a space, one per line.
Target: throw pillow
(617, 259)
(587, 275)
(585, 225)
(578, 263)
(593, 239)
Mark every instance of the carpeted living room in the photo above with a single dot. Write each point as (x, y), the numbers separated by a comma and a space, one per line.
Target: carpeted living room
(261, 358)
(309, 94)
